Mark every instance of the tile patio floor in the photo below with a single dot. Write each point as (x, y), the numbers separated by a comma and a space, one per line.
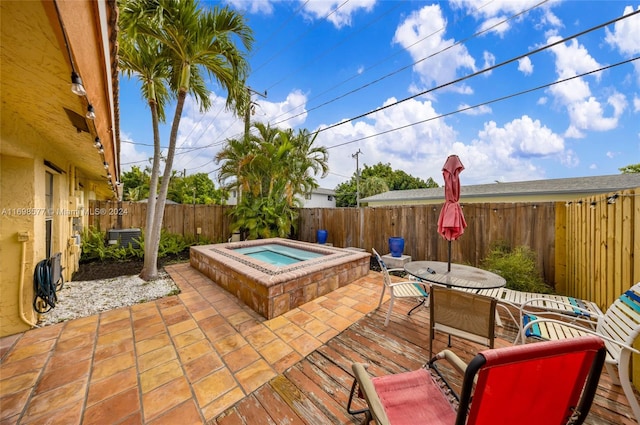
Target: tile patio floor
(178, 360)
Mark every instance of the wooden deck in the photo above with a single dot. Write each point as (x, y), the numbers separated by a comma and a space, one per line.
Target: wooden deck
(316, 389)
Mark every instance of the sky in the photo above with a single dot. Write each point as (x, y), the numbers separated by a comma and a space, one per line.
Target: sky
(519, 90)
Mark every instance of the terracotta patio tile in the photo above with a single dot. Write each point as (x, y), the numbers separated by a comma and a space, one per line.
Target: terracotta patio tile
(115, 315)
(275, 350)
(18, 367)
(315, 327)
(277, 322)
(222, 403)
(326, 336)
(7, 343)
(287, 361)
(255, 375)
(160, 375)
(153, 318)
(193, 351)
(260, 337)
(299, 317)
(339, 323)
(116, 325)
(305, 344)
(53, 378)
(38, 335)
(114, 337)
(348, 313)
(152, 343)
(12, 404)
(156, 357)
(112, 385)
(214, 386)
(219, 332)
(229, 344)
(202, 366)
(67, 415)
(188, 338)
(204, 313)
(19, 382)
(62, 359)
(239, 318)
(112, 365)
(165, 398)
(82, 340)
(289, 332)
(104, 352)
(183, 326)
(185, 413)
(149, 331)
(64, 396)
(114, 409)
(241, 358)
(180, 316)
(29, 350)
(323, 314)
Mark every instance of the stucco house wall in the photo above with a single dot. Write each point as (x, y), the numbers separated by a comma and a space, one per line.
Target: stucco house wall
(38, 139)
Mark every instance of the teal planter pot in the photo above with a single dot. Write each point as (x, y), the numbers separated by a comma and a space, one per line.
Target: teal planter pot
(396, 246)
(321, 236)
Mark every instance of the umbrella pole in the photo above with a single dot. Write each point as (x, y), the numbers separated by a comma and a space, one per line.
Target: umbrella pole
(449, 262)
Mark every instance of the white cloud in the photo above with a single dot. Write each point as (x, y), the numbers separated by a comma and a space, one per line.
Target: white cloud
(636, 104)
(625, 34)
(480, 110)
(339, 12)
(489, 61)
(422, 33)
(523, 137)
(525, 66)
(586, 111)
(253, 6)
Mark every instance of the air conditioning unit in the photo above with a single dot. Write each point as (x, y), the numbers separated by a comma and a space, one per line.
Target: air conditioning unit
(124, 237)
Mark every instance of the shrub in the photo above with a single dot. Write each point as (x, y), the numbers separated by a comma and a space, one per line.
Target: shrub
(518, 267)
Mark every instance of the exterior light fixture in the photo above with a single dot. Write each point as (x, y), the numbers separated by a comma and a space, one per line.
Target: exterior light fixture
(108, 176)
(76, 84)
(106, 165)
(91, 113)
(96, 143)
(612, 199)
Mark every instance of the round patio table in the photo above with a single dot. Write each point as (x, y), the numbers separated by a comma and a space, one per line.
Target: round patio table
(460, 276)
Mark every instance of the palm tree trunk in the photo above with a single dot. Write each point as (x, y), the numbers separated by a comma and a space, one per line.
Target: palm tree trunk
(156, 229)
(150, 267)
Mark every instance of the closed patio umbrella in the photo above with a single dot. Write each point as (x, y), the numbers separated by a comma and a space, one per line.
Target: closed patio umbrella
(451, 222)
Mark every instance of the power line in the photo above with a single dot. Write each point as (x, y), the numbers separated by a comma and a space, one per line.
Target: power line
(491, 68)
(487, 102)
(409, 66)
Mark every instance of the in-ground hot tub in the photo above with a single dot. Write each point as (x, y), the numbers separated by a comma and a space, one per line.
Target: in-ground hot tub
(272, 290)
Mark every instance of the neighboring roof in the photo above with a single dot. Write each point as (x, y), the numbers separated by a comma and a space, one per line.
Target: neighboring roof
(570, 187)
(323, 191)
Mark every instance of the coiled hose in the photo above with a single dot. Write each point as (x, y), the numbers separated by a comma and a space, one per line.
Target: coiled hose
(43, 288)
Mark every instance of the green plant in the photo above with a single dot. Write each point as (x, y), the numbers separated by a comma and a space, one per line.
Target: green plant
(517, 266)
(95, 247)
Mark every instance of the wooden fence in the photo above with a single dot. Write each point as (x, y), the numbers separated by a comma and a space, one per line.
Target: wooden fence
(585, 248)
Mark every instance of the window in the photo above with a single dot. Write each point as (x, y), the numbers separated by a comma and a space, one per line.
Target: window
(48, 221)
(307, 196)
(329, 198)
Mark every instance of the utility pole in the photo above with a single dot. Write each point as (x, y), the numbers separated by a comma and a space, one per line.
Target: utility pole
(356, 156)
(250, 110)
(247, 125)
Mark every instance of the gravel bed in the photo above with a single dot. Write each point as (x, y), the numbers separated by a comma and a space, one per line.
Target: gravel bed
(85, 298)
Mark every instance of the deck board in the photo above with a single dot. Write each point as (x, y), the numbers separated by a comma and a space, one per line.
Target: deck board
(315, 390)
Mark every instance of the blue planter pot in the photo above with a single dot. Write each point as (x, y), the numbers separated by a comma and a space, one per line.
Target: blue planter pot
(321, 236)
(396, 246)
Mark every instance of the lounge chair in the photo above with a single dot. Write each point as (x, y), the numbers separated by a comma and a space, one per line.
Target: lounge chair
(404, 289)
(618, 327)
(547, 383)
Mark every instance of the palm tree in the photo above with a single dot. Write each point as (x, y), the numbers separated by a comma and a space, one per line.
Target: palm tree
(144, 58)
(273, 168)
(193, 41)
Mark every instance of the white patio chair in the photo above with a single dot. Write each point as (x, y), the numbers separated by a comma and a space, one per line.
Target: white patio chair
(618, 327)
(404, 289)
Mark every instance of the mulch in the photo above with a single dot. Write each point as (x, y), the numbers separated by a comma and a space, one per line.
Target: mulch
(95, 270)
